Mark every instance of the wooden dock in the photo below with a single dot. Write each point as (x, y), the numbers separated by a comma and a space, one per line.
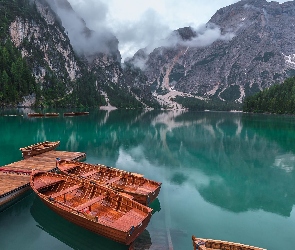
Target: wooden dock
(15, 177)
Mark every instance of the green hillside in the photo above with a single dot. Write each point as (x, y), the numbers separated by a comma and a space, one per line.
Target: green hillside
(278, 99)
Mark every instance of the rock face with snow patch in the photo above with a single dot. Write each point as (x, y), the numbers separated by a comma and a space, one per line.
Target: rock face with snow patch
(245, 47)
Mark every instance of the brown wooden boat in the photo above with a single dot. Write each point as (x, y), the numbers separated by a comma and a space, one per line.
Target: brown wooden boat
(209, 244)
(76, 113)
(35, 115)
(38, 148)
(51, 114)
(141, 189)
(92, 206)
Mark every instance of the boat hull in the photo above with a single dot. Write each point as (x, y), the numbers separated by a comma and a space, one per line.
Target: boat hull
(35, 115)
(76, 113)
(91, 206)
(144, 193)
(51, 114)
(106, 231)
(142, 198)
(204, 244)
(36, 149)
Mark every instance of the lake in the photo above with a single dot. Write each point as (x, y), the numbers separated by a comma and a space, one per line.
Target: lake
(227, 176)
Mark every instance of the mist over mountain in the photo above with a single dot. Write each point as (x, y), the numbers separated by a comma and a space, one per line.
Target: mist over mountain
(71, 65)
(244, 48)
(85, 41)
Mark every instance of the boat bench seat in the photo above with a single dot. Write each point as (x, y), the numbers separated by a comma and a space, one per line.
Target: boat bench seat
(65, 191)
(110, 181)
(129, 218)
(89, 203)
(145, 190)
(89, 173)
(39, 184)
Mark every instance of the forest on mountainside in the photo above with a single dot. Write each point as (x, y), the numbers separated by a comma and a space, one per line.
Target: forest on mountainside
(51, 87)
(278, 99)
(16, 79)
(215, 104)
(16, 72)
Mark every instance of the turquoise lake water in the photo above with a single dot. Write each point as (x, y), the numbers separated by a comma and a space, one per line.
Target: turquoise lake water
(227, 176)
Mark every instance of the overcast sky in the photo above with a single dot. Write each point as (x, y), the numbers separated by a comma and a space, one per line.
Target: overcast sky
(139, 23)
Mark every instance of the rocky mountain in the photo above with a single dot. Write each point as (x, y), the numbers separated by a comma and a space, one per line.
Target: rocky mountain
(71, 64)
(244, 48)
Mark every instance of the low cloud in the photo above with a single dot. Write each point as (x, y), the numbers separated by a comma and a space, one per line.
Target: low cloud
(146, 32)
(149, 31)
(204, 35)
(137, 23)
(85, 41)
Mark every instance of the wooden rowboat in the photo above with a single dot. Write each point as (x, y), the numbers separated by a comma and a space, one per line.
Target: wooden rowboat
(35, 115)
(65, 231)
(141, 189)
(76, 113)
(38, 148)
(51, 114)
(209, 244)
(92, 206)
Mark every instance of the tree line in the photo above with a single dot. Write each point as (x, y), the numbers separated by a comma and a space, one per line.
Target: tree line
(16, 79)
(56, 89)
(215, 104)
(278, 99)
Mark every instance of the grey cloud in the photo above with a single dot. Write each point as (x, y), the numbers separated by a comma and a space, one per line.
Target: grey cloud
(144, 33)
(149, 32)
(205, 35)
(85, 41)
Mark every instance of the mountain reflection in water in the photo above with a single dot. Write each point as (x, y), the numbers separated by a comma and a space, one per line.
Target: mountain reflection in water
(224, 175)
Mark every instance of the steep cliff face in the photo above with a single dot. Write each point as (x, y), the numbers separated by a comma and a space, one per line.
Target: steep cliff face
(72, 64)
(45, 45)
(85, 41)
(98, 48)
(252, 49)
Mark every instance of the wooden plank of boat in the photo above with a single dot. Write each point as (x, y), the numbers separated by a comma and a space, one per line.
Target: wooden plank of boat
(69, 114)
(91, 206)
(35, 115)
(81, 113)
(112, 180)
(65, 191)
(90, 202)
(76, 113)
(38, 148)
(51, 114)
(209, 244)
(141, 189)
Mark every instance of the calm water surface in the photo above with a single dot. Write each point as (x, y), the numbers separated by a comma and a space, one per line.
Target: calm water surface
(226, 176)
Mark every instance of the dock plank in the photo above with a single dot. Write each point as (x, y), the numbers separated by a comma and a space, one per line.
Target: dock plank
(42, 162)
(10, 182)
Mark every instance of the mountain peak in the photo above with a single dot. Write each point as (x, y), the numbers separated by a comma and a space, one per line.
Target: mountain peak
(186, 33)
